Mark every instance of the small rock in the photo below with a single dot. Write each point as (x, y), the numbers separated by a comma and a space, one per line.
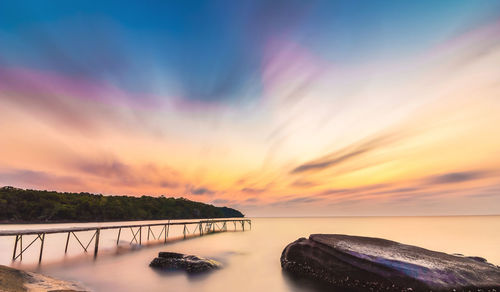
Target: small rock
(188, 263)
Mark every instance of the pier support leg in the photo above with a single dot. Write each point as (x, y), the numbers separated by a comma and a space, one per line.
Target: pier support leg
(140, 235)
(21, 245)
(67, 241)
(15, 248)
(243, 225)
(184, 231)
(96, 248)
(165, 234)
(118, 239)
(42, 238)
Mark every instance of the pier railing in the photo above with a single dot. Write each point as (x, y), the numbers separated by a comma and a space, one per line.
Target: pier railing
(201, 227)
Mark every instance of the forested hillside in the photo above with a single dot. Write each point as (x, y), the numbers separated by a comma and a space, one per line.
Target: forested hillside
(18, 205)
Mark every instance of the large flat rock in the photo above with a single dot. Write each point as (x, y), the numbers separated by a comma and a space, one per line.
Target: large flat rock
(374, 264)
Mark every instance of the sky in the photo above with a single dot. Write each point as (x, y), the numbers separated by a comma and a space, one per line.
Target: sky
(276, 108)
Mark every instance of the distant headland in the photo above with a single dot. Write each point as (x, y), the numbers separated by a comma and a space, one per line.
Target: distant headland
(36, 206)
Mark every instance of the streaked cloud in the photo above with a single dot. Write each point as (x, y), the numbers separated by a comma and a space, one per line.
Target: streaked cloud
(202, 191)
(253, 190)
(457, 177)
(34, 179)
(350, 152)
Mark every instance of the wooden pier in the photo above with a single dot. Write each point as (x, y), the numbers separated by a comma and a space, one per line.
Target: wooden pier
(201, 227)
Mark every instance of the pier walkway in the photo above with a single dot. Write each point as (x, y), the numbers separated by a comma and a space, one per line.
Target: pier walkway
(201, 227)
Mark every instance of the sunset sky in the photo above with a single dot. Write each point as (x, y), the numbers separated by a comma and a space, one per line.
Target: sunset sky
(276, 108)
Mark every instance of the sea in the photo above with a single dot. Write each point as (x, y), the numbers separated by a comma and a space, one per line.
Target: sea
(251, 259)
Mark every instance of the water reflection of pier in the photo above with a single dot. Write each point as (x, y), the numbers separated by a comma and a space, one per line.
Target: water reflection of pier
(199, 228)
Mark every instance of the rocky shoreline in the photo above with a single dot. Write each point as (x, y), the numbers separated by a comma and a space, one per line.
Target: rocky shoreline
(14, 280)
(353, 263)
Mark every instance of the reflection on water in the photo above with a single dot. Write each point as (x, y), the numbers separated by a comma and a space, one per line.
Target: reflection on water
(251, 259)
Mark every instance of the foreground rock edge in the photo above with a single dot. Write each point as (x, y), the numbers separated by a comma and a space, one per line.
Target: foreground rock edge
(14, 280)
(372, 264)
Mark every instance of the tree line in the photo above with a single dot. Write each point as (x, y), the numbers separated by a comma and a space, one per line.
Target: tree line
(19, 205)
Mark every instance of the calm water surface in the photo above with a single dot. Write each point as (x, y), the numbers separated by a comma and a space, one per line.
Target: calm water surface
(250, 258)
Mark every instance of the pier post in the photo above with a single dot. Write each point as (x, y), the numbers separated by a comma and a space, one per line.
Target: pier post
(21, 245)
(140, 235)
(67, 241)
(201, 229)
(149, 229)
(15, 248)
(42, 238)
(243, 225)
(96, 248)
(168, 229)
(165, 233)
(118, 239)
(184, 231)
